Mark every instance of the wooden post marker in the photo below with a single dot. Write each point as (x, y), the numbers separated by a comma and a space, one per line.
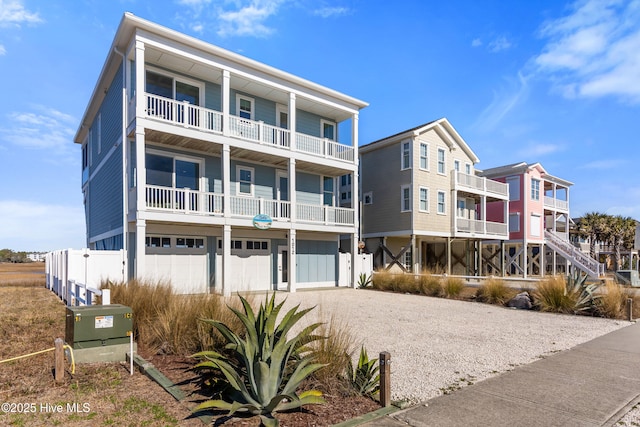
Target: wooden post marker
(59, 360)
(385, 379)
(630, 308)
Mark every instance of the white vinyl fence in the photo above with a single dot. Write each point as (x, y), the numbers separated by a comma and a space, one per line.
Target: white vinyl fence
(75, 275)
(363, 265)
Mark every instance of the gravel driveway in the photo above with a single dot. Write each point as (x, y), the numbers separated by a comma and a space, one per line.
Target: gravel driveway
(439, 345)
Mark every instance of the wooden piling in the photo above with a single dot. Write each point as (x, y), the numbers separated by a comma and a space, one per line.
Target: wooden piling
(385, 378)
(59, 360)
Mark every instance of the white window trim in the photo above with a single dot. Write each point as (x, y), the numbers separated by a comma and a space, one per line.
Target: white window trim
(335, 129)
(280, 108)
(426, 168)
(246, 98)
(253, 178)
(444, 204)
(364, 198)
(198, 84)
(402, 188)
(539, 181)
(333, 192)
(444, 161)
(535, 232)
(517, 215)
(420, 199)
(402, 165)
(198, 160)
(468, 169)
(456, 165)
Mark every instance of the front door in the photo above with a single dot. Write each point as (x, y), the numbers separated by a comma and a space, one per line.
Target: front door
(283, 268)
(282, 186)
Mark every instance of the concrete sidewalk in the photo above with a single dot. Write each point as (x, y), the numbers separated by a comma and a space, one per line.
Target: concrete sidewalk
(592, 384)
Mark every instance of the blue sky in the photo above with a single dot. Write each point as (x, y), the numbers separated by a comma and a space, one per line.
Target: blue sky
(536, 81)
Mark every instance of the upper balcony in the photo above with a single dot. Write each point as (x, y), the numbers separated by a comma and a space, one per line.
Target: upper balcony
(479, 185)
(186, 115)
(482, 229)
(556, 204)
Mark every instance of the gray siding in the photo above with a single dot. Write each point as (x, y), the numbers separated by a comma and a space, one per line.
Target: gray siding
(263, 181)
(105, 197)
(213, 96)
(317, 261)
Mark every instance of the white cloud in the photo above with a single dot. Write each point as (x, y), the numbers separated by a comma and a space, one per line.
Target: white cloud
(535, 150)
(593, 51)
(33, 226)
(504, 101)
(604, 164)
(327, 12)
(248, 19)
(12, 12)
(44, 128)
(2, 50)
(476, 43)
(499, 44)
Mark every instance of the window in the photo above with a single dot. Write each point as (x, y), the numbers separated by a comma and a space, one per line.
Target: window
(327, 191)
(467, 169)
(328, 129)
(244, 107)
(158, 242)
(368, 198)
(173, 87)
(514, 222)
(441, 202)
(535, 189)
(456, 165)
(345, 195)
(424, 156)
(406, 260)
(189, 242)
(514, 187)
(247, 245)
(441, 169)
(405, 202)
(535, 225)
(245, 181)
(282, 116)
(166, 171)
(345, 180)
(424, 199)
(406, 155)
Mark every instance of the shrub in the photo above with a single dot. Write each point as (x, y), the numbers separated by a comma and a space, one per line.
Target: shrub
(404, 283)
(494, 291)
(364, 281)
(382, 280)
(429, 285)
(365, 377)
(613, 301)
(332, 352)
(452, 287)
(264, 370)
(168, 323)
(565, 295)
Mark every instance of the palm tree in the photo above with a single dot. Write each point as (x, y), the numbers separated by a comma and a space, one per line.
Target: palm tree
(592, 226)
(621, 233)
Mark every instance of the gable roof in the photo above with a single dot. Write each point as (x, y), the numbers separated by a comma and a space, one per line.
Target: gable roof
(441, 126)
(521, 168)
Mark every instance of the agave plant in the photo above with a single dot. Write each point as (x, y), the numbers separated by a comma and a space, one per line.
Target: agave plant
(584, 294)
(365, 378)
(364, 281)
(263, 370)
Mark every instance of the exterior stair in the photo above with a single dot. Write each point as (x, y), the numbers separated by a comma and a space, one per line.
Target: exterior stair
(583, 262)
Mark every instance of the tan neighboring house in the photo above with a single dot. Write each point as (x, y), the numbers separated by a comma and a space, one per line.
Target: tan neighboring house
(423, 206)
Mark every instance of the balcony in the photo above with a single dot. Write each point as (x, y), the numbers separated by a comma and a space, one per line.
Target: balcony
(480, 185)
(193, 202)
(481, 228)
(183, 114)
(557, 204)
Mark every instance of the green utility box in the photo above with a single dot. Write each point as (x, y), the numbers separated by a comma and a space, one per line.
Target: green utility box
(98, 326)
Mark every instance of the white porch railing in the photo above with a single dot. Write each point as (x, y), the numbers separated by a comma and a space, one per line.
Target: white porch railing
(568, 251)
(184, 200)
(550, 202)
(79, 294)
(477, 183)
(465, 225)
(193, 116)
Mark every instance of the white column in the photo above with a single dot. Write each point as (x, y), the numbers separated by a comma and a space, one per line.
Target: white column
(292, 260)
(292, 192)
(141, 79)
(141, 234)
(141, 175)
(226, 261)
(226, 180)
(483, 213)
(226, 103)
(292, 121)
(355, 197)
